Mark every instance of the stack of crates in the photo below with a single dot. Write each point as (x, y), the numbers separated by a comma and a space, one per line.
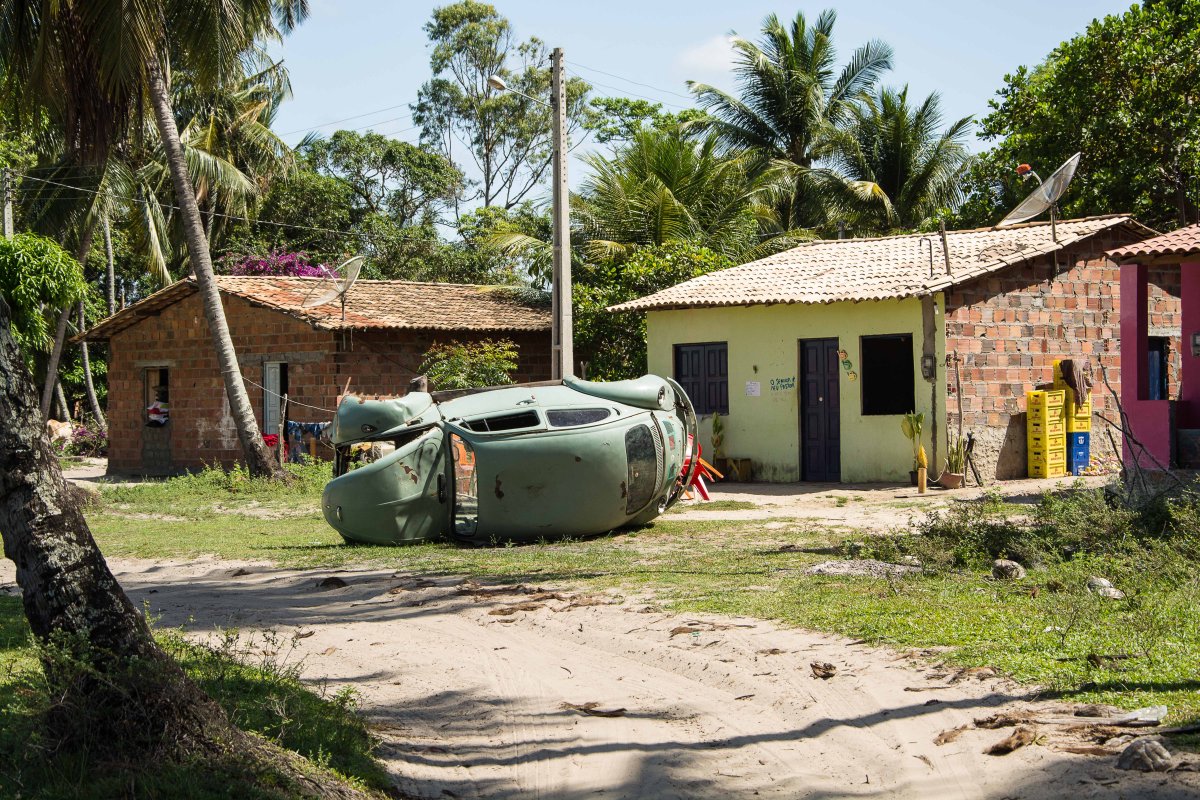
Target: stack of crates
(1078, 417)
(1046, 434)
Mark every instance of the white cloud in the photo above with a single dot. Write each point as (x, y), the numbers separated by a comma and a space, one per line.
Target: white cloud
(709, 61)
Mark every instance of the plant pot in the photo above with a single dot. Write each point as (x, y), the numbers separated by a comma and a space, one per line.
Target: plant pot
(912, 477)
(951, 480)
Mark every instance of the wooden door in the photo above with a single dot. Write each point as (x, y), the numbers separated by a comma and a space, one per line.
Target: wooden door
(820, 415)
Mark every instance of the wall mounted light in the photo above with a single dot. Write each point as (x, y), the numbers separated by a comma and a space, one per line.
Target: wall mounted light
(1196, 344)
(929, 366)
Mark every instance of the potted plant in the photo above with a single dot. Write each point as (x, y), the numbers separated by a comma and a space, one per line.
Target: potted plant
(956, 463)
(912, 425)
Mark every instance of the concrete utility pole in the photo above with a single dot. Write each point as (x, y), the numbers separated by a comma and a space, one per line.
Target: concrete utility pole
(8, 218)
(562, 337)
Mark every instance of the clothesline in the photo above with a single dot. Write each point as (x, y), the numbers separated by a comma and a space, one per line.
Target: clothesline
(290, 400)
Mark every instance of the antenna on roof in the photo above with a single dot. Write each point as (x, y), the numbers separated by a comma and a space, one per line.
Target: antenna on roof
(343, 277)
(1045, 196)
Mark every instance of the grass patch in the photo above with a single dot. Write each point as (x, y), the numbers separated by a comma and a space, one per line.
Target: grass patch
(261, 693)
(741, 567)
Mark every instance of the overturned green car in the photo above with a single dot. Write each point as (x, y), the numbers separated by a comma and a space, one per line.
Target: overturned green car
(514, 463)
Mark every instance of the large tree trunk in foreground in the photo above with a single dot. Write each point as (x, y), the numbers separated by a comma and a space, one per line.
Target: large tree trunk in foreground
(69, 594)
(133, 706)
(258, 458)
(93, 401)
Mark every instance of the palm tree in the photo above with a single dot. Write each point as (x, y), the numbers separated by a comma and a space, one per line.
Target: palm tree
(664, 186)
(791, 99)
(89, 64)
(896, 165)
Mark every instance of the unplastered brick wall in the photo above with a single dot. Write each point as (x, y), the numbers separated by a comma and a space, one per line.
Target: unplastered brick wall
(202, 429)
(1009, 328)
(319, 363)
(383, 362)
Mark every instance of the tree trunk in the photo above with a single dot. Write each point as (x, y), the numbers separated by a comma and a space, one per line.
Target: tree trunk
(90, 387)
(258, 458)
(60, 397)
(110, 276)
(68, 592)
(60, 335)
(60, 332)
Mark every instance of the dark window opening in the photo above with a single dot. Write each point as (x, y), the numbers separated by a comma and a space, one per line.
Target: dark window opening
(703, 372)
(507, 422)
(569, 417)
(1158, 363)
(886, 369)
(158, 395)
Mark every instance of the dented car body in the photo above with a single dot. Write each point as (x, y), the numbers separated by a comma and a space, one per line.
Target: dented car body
(514, 463)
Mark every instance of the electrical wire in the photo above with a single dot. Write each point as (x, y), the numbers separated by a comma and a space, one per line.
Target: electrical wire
(630, 80)
(291, 401)
(347, 119)
(177, 208)
(635, 94)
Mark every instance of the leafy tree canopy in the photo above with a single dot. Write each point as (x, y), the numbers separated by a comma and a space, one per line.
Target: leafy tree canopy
(36, 274)
(620, 119)
(614, 345)
(455, 365)
(1125, 93)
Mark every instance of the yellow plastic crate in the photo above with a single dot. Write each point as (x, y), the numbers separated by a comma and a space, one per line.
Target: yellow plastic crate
(1079, 424)
(1047, 444)
(1053, 398)
(1058, 378)
(1056, 427)
(1043, 456)
(1047, 470)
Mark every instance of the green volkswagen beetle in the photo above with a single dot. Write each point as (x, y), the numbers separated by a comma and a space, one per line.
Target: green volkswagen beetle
(513, 463)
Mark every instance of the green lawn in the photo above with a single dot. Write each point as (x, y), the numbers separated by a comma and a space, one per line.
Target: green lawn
(1041, 630)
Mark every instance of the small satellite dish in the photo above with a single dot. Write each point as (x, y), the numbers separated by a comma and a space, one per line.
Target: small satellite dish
(348, 271)
(1045, 196)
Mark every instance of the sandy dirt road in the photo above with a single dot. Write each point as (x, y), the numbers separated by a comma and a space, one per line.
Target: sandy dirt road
(466, 683)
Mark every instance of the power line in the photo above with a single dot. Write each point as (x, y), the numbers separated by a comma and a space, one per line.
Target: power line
(177, 208)
(347, 119)
(635, 94)
(630, 80)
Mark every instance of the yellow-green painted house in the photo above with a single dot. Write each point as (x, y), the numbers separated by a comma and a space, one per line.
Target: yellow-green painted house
(813, 355)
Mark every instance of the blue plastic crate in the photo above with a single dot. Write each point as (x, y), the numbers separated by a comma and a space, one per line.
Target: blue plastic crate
(1075, 440)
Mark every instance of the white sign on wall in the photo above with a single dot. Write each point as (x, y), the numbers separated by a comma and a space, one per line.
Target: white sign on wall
(753, 388)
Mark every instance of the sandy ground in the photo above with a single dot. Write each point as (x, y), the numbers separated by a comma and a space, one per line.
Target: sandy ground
(466, 685)
(871, 506)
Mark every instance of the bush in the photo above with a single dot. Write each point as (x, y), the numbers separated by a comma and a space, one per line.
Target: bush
(464, 366)
(275, 262)
(87, 440)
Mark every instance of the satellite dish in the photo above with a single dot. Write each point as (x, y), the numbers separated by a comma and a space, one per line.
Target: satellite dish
(341, 285)
(1045, 196)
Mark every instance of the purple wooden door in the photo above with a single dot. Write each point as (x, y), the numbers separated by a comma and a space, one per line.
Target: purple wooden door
(820, 417)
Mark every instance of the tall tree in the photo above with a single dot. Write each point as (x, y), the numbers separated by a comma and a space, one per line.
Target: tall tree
(791, 98)
(896, 166)
(505, 136)
(1126, 93)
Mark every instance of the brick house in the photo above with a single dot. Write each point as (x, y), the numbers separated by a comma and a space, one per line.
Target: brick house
(159, 348)
(814, 354)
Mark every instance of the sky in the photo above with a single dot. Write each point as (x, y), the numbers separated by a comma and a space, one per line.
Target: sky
(367, 59)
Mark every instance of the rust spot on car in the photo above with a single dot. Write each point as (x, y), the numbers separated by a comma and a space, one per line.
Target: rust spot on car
(624, 490)
(499, 494)
(410, 472)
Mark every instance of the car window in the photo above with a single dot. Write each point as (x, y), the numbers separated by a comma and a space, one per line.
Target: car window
(567, 417)
(504, 422)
